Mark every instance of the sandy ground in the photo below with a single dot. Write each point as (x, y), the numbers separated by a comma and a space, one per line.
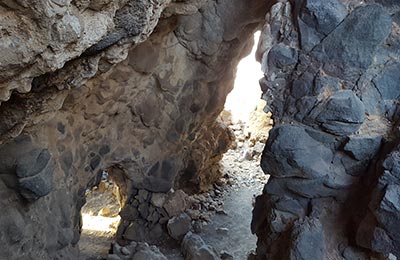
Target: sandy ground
(231, 233)
(100, 221)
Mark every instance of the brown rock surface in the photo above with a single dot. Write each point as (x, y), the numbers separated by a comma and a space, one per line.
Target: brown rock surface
(113, 85)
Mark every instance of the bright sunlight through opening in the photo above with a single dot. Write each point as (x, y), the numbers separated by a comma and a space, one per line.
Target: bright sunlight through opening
(246, 92)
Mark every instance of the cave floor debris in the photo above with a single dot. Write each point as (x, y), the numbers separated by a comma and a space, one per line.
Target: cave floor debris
(228, 231)
(248, 180)
(100, 221)
(227, 228)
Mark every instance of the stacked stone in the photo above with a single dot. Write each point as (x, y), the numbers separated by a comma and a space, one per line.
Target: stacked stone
(331, 81)
(136, 251)
(146, 216)
(156, 218)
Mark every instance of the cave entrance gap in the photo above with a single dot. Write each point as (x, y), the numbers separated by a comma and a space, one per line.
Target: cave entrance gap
(100, 219)
(240, 165)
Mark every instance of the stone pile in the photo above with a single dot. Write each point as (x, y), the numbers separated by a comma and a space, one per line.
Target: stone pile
(152, 217)
(155, 218)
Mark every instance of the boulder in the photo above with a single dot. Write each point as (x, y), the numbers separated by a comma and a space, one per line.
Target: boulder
(179, 225)
(291, 152)
(145, 252)
(307, 240)
(175, 203)
(343, 113)
(194, 248)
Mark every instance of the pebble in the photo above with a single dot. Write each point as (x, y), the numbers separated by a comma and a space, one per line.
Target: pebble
(125, 251)
(197, 227)
(226, 256)
(113, 257)
(105, 212)
(221, 212)
(223, 231)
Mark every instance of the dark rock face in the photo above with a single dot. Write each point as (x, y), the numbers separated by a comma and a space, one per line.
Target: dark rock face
(331, 85)
(307, 240)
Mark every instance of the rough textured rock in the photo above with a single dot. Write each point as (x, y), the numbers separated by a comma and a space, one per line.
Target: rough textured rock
(136, 251)
(331, 87)
(307, 240)
(135, 87)
(131, 87)
(178, 226)
(194, 248)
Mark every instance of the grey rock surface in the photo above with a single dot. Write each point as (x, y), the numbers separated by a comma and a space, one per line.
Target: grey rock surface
(194, 248)
(335, 132)
(307, 240)
(178, 226)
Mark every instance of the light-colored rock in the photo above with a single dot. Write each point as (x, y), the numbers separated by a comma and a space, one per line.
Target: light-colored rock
(176, 203)
(158, 199)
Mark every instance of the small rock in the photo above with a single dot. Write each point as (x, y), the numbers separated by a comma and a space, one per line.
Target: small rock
(158, 199)
(236, 127)
(146, 252)
(131, 247)
(223, 231)
(176, 203)
(252, 256)
(178, 226)
(221, 211)
(193, 213)
(144, 210)
(226, 256)
(193, 247)
(241, 138)
(113, 257)
(153, 217)
(129, 213)
(116, 248)
(105, 212)
(125, 251)
(221, 182)
(206, 217)
(258, 148)
(197, 227)
(248, 155)
(142, 196)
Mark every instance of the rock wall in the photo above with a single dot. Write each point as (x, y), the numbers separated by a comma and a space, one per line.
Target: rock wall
(332, 85)
(133, 87)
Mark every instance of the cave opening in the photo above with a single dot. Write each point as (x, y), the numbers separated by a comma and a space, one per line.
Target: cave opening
(244, 108)
(243, 178)
(100, 218)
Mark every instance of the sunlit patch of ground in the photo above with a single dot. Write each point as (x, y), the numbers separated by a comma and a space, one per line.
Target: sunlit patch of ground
(100, 221)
